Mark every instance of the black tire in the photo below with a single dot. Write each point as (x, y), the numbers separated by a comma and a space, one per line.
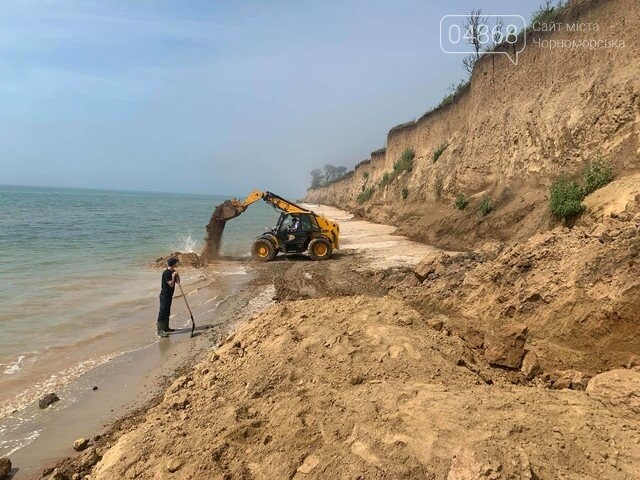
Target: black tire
(320, 249)
(263, 250)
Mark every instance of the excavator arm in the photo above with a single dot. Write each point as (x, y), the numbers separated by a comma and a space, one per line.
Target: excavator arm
(271, 198)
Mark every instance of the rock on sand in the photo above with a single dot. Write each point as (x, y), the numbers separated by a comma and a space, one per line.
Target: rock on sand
(5, 468)
(80, 444)
(48, 399)
(617, 388)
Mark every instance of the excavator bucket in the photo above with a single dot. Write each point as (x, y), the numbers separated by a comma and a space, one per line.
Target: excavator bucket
(223, 212)
(228, 210)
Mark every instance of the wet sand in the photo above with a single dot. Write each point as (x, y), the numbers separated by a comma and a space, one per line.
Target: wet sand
(219, 299)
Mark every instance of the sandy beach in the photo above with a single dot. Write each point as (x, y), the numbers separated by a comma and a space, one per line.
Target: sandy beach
(357, 372)
(133, 382)
(378, 243)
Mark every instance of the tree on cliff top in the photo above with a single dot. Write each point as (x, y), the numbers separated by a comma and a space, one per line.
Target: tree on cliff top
(317, 178)
(473, 26)
(331, 173)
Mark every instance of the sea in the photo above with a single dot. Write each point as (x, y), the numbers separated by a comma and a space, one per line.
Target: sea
(77, 276)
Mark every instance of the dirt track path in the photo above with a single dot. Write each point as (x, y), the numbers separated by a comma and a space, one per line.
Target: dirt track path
(379, 244)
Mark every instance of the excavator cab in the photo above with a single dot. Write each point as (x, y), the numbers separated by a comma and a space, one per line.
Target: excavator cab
(297, 232)
(294, 230)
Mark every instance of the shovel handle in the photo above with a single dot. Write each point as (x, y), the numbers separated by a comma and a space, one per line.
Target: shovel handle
(185, 300)
(193, 322)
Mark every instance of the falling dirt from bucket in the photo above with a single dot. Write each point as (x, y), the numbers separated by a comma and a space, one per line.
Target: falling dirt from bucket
(223, 212)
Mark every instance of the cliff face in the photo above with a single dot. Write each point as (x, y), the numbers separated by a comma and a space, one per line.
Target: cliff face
(515, 129)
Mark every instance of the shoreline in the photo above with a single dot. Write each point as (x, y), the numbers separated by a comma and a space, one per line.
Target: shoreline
(133, 380)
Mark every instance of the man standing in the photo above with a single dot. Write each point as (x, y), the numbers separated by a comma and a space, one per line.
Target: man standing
(169, 279)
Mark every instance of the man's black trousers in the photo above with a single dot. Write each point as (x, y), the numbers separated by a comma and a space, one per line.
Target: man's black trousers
(163, 314)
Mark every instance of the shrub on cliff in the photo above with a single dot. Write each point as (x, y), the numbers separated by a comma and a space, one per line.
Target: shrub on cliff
(405, 162)
(439, 151)
(461, 202)
(596, 175)
(405, 192)
(454, 91)
(546, 13)
(565, 198)
(485, 206)
(365, 195)
(385, 180)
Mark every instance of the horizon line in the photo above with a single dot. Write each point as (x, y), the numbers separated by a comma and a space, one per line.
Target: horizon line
(104, 189)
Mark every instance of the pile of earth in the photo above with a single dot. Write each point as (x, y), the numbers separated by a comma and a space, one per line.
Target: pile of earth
(302, 279)
(186, 259)
(367, 387)
(576, 290)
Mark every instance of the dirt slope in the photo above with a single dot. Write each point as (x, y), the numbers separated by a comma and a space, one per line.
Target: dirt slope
(361, 387)
(577, 290)
(514, 130)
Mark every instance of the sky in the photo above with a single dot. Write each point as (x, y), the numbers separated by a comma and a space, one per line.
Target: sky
(215, 97)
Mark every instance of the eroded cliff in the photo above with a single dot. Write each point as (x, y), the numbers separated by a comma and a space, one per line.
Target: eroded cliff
(507, 136)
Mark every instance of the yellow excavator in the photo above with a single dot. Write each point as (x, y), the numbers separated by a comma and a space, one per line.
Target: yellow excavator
(298, 230)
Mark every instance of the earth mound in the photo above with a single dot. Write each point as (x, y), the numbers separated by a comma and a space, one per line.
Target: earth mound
(362, 387)
(187, 259)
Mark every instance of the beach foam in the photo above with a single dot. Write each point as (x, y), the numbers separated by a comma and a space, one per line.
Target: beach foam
(14, 367)
(14, 445)
(57, 380)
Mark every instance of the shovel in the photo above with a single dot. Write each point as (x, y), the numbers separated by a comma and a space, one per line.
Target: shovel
(193, 322)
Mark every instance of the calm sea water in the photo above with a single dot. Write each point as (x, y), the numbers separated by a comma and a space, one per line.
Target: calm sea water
(75, 263)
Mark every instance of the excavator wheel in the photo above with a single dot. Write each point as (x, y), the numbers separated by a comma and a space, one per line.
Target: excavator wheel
(263, 250)
(320, 249)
